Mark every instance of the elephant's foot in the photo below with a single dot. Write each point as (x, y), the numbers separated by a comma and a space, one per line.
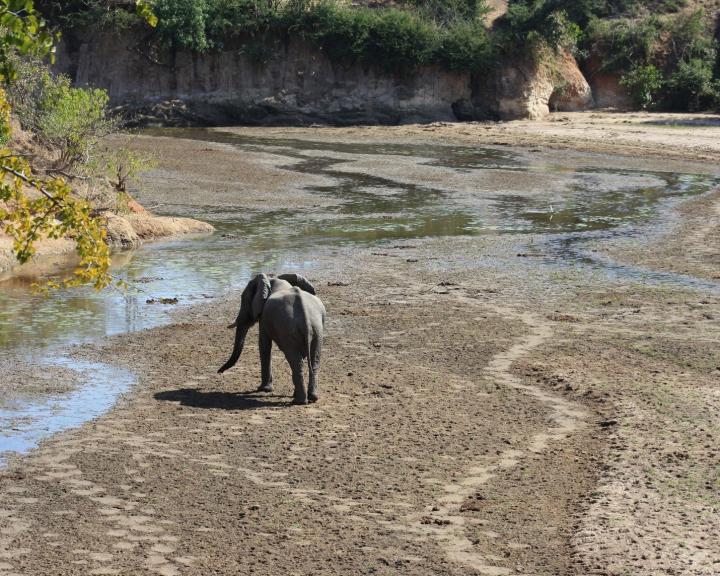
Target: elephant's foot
(312, 397)
(300, 401)
(266, 388)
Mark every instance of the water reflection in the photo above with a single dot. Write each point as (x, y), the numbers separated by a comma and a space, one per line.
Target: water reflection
(373, 208)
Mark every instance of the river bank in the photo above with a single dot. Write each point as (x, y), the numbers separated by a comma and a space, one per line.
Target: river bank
(495, 397)
(124, 231)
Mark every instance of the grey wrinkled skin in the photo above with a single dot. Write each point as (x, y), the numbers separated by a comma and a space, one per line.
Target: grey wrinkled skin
(291, 316)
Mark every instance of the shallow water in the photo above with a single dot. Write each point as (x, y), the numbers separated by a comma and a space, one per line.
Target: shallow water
(552, 222)
(25, 423)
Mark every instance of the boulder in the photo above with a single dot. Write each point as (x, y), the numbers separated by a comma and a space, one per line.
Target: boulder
(606, 87)
(120, 232)
(527, 88)
(571, 90)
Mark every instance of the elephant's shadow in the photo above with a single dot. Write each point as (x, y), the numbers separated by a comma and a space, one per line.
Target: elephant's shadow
(221, 400)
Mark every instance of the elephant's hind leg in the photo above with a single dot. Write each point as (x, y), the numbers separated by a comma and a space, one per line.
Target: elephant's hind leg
(314, 367)
(295, 359)
(266, 382)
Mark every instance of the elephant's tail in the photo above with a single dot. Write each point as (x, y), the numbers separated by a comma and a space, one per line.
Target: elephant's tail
(240, 334)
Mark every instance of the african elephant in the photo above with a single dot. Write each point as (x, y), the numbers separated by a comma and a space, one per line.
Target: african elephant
(291, 316)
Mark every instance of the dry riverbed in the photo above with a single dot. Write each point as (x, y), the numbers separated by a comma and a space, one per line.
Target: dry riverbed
(477, 415)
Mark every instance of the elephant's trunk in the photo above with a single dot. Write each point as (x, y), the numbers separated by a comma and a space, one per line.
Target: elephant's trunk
(240, 333)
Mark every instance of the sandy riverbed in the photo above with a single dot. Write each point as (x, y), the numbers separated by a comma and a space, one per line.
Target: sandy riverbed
(471, 421)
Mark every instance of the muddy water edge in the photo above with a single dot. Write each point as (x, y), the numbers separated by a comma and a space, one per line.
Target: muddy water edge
(491, 385)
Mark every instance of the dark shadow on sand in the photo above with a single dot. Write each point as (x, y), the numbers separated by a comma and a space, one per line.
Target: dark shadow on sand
(222, 400)
(708, 122)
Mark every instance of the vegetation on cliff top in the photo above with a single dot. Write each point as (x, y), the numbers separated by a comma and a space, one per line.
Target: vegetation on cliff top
(664, 50)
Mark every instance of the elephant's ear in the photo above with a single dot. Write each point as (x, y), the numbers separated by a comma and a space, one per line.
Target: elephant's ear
(299, 281)
(262, 293)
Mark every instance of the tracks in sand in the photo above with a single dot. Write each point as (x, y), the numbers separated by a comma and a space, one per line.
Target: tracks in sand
(447, 525)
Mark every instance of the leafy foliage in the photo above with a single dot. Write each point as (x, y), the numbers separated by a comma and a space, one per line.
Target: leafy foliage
(69, 121)
(692, 86)
(31, 207)
(643, 83)
(122, 165)
(449, 11)
(665, 61)
(530, 22)
(72, 120)
(466, 46)
(397, 39)
(116, 14)
(184, 23)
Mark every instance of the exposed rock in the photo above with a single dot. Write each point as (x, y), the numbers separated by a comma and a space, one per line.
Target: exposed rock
(295, 84)
(527, 88)
(606, 88)
(298, 84)
(135, 207)
(130, 230)
(572, 91)
(149, 227)
(120, 232)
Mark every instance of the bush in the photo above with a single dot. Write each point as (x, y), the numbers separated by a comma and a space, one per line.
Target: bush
(183, 23)
(692, 86)
(397, 40)
(644, 84)
(71, 14)
(466, 46)
(625, 43)
(529, 23)
(400, 39)
(665, 61)
(73, 120)
(68, 120)
(449, 11)
(342, 34)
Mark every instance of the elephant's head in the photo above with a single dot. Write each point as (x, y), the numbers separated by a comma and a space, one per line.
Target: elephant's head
(251, 305)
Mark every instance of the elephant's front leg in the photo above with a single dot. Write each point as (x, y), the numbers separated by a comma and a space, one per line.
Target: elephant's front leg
(266, 384)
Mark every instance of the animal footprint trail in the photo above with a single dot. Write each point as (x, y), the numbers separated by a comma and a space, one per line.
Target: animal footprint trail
(447, 525)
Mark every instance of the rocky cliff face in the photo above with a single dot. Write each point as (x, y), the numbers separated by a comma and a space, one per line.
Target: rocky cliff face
(606, 87)
(529, 88)
(295, 83)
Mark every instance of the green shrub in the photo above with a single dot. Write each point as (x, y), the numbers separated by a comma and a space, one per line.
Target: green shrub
(667, 61)
(528, 23)
(449, 11)
(68, 120)
(341, 33)
(183, 23)
(644, 84)
(625, 43)
(77, 14)
(400, 39)
(73, 120)
(692, 86)
(466, 46)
